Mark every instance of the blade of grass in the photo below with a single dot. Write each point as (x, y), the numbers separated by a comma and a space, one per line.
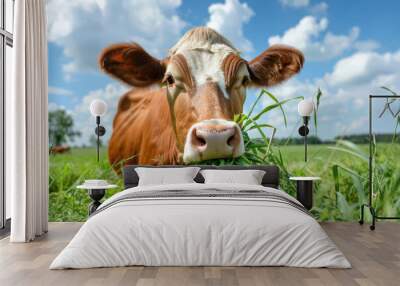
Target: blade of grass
(265, 125)
(349, 152)
(254, 104)
(270, 95)
(315, 115)
(350, 145)
(395, 129)
(335, 173)
(271, 107)
(389, 90)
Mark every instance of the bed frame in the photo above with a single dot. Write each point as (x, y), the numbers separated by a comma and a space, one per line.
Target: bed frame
(270, 179)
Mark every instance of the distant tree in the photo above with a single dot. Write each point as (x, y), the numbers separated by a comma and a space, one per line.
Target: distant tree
(364, 138)
(93, 141)
(299, 140)
(61, 128)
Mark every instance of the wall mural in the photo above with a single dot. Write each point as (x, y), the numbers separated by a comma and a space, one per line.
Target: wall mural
(224, 93)
(181, 108)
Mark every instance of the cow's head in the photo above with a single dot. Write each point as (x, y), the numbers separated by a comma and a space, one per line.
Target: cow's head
(205, 81)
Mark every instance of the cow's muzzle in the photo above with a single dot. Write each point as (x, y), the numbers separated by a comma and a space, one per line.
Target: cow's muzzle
(213, 139)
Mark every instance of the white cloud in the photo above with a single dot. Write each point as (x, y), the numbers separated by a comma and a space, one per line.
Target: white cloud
(365, 67)
(294, 87)
(306, 36)
(319, 8)
(86, 123)
(346, 87)
(82, 28)
(367, 45)
(59, 91)
(295, 3)
(228, 19)
(344, 105)
(347, 128)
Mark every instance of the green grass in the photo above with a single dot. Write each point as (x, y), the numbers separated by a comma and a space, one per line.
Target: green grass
(344, 172)
(67, 171)
(343, 169)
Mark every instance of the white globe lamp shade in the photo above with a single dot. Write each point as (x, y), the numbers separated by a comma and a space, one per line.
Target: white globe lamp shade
(98, 107)
(305, 108)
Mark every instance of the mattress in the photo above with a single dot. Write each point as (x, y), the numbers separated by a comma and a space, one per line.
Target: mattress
(201, 225)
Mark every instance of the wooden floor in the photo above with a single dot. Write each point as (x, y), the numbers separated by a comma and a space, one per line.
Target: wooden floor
(375, 257)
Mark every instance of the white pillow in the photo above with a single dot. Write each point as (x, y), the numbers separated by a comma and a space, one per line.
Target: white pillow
(248, 177)
(166, 176)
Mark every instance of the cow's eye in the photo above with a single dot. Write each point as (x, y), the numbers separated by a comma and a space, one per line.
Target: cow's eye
(169, 79)
(245, 81)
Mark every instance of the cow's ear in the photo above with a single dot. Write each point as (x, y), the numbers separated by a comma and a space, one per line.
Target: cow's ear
(275, 65)
(131, 64)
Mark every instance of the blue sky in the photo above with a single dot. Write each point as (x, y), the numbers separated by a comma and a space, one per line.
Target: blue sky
(351, 48)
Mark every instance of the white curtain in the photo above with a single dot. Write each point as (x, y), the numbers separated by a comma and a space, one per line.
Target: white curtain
(27, 124)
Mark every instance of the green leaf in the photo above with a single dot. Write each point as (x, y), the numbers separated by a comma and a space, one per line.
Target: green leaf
(318, 96)
(237, 117)
(271, 107)
(348, 170)
(315, 115)
(353, 147)
(389, 90)
(335, 173)
(270, 95)
(395, 129)
(358, 185)
(345, 208)
(254, 104)
(349, 152)
(260, 126)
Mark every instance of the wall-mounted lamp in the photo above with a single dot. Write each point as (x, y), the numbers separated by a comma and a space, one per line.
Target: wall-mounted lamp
(305, 108)
(98, 108)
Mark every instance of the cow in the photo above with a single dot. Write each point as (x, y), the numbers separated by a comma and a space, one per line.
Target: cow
(59, 149)
(181, 108)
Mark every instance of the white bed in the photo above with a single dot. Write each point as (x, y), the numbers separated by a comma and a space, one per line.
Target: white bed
(206, 230)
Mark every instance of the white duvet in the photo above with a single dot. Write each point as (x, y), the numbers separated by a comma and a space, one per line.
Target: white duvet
(200, 231)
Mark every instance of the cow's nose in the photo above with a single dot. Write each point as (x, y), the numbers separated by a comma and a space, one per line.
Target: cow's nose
(222, 137)
(213, 139)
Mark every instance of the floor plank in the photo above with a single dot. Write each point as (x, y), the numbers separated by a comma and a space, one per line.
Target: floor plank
(375, 257)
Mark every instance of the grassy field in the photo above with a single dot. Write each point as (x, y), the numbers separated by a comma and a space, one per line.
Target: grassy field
(342, 167)
(67, 203)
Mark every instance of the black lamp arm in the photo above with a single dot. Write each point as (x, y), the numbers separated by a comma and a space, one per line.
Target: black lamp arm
(99, 131)
(306, 120)
(303, 131)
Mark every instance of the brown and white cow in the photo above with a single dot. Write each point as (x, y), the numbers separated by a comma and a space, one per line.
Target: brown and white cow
(181, 108)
